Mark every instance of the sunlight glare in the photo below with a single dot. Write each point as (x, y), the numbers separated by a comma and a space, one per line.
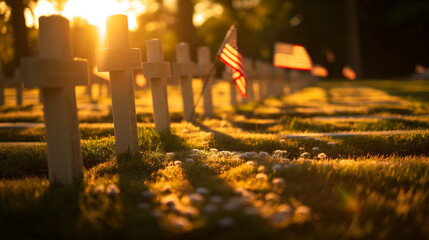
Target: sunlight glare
(205, 10)
(94, 11)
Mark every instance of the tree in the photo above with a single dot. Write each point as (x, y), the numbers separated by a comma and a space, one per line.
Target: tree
(353, 40)
(19, 29)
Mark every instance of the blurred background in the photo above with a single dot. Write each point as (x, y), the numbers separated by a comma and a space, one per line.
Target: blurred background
(375, 38)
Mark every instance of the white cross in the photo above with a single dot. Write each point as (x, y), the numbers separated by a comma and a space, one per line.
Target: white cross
(56, 73)
(120, 60)
(158, 71)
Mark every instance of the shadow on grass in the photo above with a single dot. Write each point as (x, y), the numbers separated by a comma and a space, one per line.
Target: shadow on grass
(245, 227)
(133, 171)
(224, 141)
(40, 211)
(150, 140)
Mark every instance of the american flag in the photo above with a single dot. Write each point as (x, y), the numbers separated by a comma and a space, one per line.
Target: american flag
(230, 55)
(292, 56)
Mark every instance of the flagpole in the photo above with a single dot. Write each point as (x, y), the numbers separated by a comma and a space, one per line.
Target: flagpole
(208, 77)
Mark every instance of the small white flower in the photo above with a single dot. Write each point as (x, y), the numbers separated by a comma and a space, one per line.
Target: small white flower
(190, 160)
(170, 200)
(305, 155)
(202, 190)
(99, 188)
(317, 139)
(277, 167)
(225, 153)
(194, 198)
(245, 194)
(112, 190)
(315, 149)
(216, 199)
(232, 204)
(178, 163)
(331, 144)
(308, 161)
(261, 176)
(190, 212)
(250, 211)
(261, 168)
(181, 223)
(209, 208)
(147, 194)
(251, 163)
(195, 151)
(143, 206)
(282, 141)
(284, 208)
(193, 155)
(284, 160)
(321, 155)
(226, 222)
(263, 154)
(170, 155)
(302, 210)
(205, 165)
(213, 150)
(278, 181)
(272, 197)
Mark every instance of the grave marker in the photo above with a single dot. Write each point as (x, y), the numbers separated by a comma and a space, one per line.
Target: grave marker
(250, 72)
(56, 74)
(227, 75)
(184, 69)
(14, 82)
(262, 71)
(2, 93)
(204, 65)
(18, 82)
(120, 60)
(158, 71)
(279, 79)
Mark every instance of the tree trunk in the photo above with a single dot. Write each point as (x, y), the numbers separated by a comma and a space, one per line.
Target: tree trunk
(353, 46)
(185, 28)
(19, 30)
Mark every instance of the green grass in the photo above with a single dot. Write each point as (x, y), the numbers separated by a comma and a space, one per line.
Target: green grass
(368, 187)
(384, 197)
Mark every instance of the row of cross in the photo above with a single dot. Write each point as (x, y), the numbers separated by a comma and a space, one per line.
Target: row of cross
(56, 73)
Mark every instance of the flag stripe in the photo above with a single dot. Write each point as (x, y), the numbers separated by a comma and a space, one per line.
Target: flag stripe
(230, 55)
(291, 56)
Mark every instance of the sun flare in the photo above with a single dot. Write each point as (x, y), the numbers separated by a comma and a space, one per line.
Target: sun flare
(93, 11)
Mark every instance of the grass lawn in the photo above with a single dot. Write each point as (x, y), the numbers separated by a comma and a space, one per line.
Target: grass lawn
(234, 176)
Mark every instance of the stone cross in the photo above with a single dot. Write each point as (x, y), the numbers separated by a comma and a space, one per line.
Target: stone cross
(270, 81)
(204, 65)
(184, 69)
(158, 71)
(250, 72)
(18, 82)
(262, 72)
(14, 82)
(56, 73)
(279, 79)
(227, 75)
(120, 60)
